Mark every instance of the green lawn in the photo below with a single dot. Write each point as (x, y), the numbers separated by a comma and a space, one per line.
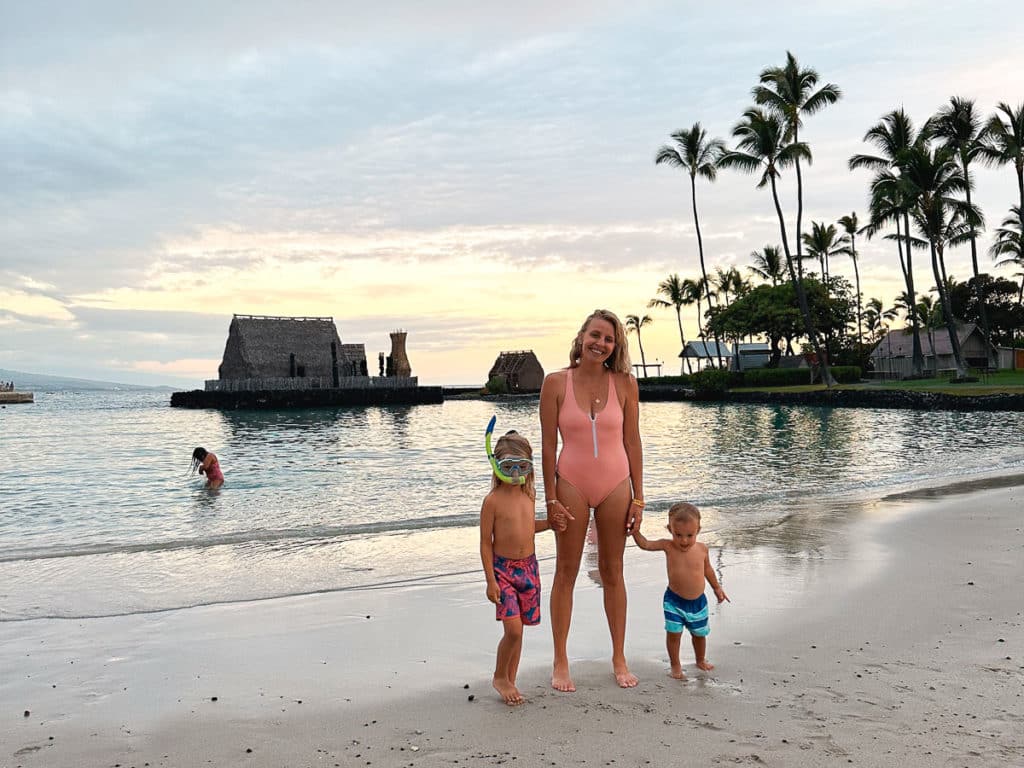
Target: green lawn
(1003, 381)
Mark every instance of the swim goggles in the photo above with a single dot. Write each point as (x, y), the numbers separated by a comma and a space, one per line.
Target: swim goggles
(514, 465)
(512, 479)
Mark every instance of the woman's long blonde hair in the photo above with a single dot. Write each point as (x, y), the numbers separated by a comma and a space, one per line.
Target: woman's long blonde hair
(513, 444)
(618, 361)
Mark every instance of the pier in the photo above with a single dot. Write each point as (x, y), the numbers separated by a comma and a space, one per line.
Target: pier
(8, 394)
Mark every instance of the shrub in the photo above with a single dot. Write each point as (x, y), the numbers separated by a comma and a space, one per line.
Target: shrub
(683, 380)
(776, 377)
(496, 385)
(710, 383)
(846, 374)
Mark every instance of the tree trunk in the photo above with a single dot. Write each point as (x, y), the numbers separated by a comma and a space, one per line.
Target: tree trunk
(917, 361)
(643, 360)
(805, 310)
(700, 251)
(982, 309)
(682, 340)
(947, 311)
(856, 274)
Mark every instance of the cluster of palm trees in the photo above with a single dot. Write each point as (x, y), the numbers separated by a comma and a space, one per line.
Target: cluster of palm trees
(922, 178)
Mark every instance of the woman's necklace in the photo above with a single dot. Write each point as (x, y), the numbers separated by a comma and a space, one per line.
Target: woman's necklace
(592, 396)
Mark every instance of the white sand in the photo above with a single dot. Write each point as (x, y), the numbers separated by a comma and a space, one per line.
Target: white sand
(896, 640)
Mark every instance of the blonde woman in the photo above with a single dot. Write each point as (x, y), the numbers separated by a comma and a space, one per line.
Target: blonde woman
(593, 405)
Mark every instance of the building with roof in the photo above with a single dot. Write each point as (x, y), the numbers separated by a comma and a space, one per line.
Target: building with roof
(268, 348)
(521, 370)
(708, 353)
(892, 357)
(751, 355)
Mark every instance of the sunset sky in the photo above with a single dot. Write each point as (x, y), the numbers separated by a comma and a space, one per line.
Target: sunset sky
(483, 179)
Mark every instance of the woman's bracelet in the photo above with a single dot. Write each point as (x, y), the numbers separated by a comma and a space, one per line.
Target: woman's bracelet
(639, 503)
(552, 501)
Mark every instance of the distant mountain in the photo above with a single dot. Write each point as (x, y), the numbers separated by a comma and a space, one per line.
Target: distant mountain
(41, 382)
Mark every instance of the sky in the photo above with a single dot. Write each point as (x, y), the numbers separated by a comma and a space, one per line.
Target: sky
(479, 175)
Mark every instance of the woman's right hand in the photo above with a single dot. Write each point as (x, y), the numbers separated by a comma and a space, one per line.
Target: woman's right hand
(558, 515)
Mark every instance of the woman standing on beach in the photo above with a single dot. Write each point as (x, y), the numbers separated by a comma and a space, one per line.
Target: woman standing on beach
(593, 404)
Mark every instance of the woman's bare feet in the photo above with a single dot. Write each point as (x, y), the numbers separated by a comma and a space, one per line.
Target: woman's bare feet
(677, 672)
(560, 678)
(704, 664)
(624, 677)
(508, 692)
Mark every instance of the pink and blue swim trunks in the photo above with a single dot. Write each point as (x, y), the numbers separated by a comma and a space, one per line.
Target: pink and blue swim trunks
(519, 582)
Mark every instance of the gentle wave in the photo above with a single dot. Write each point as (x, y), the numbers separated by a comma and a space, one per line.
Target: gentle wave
(254, 537)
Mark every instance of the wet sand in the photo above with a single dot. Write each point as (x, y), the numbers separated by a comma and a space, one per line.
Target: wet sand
(895, 639)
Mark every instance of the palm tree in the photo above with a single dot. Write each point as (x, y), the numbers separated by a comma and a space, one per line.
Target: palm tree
(822, 244)
(768, 264)
(694, 293)
(723, 283)
(959, 128)
(1008, 247)
(876, 317)
(930, 311)
(762, 146)
(697, 154)
(673, 294)
(788, 91)
(933, 177)
(738, 285)
(1005, 139)
(849, 225)
(894, 135)
(633, 325)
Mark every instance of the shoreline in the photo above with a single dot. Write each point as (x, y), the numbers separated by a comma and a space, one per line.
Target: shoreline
(890, 625)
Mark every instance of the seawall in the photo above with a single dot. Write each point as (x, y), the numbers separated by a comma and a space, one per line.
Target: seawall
(848, 398)
(306, 398)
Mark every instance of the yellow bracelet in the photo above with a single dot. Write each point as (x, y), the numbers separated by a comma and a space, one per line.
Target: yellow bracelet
(639, 503)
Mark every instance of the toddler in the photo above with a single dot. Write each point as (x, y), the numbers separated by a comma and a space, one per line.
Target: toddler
(688, 566)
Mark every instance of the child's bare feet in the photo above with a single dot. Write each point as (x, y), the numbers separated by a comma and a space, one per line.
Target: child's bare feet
(704, 664)
(561, 680)
(624, 677)
(677, 672)
(508, 692)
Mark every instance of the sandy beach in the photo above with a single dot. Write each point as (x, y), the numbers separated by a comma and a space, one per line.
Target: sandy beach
(895, 638)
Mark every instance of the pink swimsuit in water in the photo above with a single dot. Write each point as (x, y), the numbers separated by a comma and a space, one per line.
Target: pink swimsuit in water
(213, 473)
(593, 458)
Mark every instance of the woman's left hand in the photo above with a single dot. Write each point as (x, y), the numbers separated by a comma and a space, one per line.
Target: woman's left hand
(634, 517)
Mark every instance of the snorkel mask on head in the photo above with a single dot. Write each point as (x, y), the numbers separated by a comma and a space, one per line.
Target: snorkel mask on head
(518, 466)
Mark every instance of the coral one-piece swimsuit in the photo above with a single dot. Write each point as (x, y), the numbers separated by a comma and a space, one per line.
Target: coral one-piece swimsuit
(593, 458)
(214, 473)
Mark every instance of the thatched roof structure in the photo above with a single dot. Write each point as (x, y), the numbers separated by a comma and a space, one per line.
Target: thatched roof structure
(521, 370)
(260, 347)
(899, 342)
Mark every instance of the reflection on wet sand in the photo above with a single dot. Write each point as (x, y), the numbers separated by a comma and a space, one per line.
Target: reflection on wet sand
(962, 486)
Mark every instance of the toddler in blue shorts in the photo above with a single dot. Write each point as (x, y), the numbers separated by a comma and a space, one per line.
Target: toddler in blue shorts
(688, 568)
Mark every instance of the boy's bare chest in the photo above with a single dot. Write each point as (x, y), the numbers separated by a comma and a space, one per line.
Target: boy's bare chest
(691, 561)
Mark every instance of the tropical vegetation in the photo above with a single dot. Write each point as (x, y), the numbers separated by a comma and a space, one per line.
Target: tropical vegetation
(919, 196)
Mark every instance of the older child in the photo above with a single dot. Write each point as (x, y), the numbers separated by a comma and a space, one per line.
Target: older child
(688, 566)
(507, 528)
(205, 463)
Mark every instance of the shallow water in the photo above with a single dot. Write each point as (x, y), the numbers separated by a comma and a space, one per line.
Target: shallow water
(98, 515)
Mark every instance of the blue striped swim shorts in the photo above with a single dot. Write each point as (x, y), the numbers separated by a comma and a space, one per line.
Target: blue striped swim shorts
(692, 614)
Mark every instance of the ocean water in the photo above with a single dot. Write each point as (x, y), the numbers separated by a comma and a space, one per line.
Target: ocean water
(99, 516)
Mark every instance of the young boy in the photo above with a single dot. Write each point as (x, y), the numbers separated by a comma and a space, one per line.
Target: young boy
(507, 528)
(688, 566)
